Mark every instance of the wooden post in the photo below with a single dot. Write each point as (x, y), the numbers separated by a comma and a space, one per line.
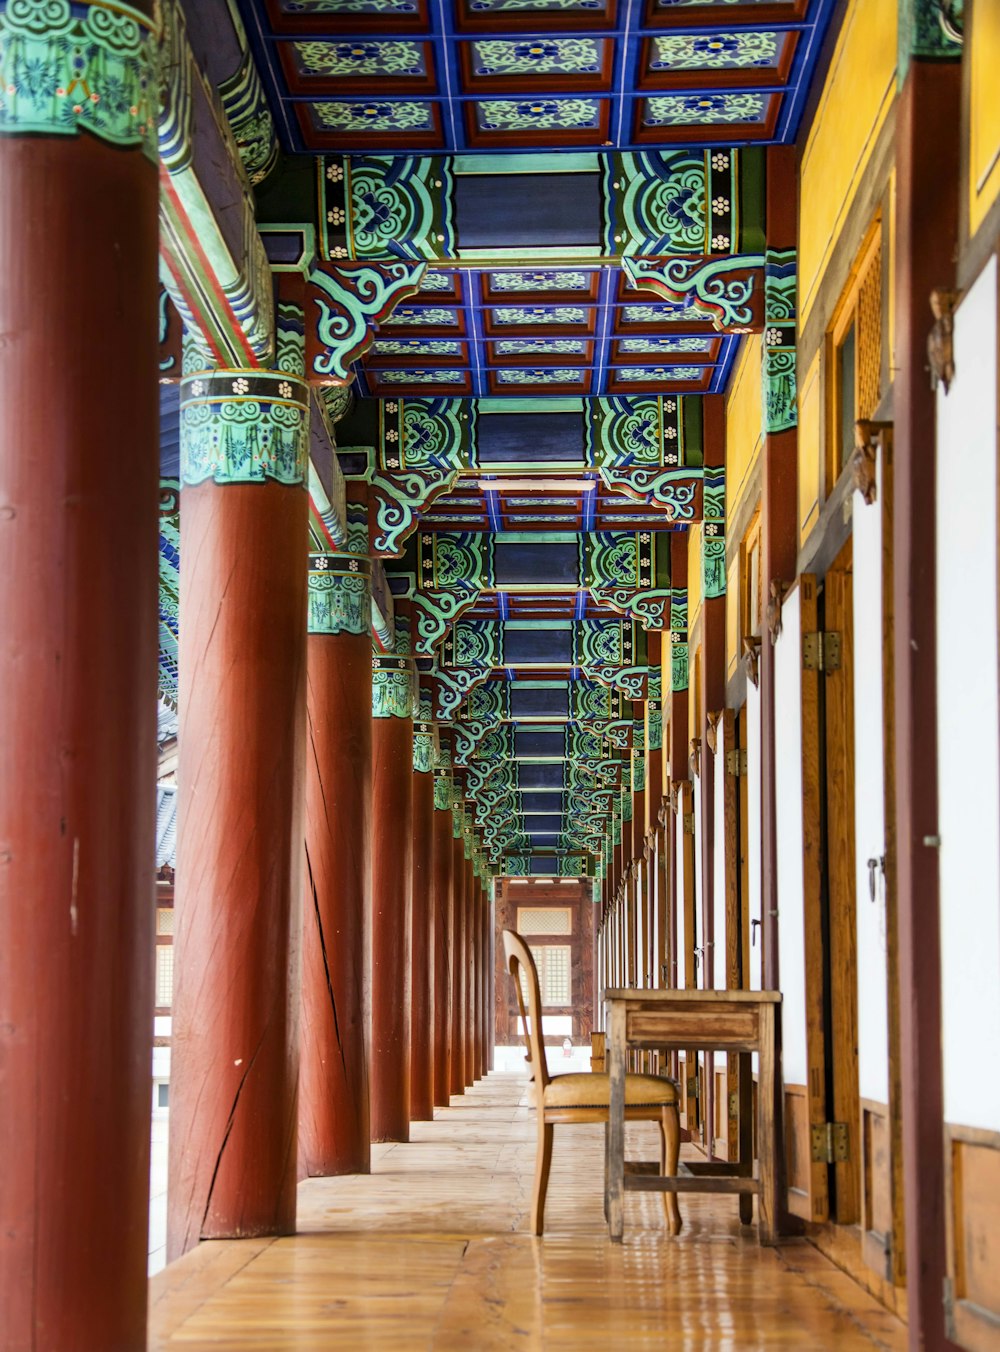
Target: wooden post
(392, 805)
(78, 582)
(444, 904)
(779, 543)
(233, 1099)
(471, 888)
(928, 123)
(334, 1125)
(458, 1019)
(422, 918)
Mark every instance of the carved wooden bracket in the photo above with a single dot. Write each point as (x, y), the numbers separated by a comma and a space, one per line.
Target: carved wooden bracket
(863, 460)
(694, 756)
(712, 736)
(777, 592)
(941, 339)
(751, 658)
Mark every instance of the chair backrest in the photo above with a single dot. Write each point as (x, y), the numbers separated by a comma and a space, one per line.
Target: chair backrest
(520, 962)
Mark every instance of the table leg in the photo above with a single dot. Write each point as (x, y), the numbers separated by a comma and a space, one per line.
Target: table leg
(767, 1106)
(744, 1097)
(616, 1124)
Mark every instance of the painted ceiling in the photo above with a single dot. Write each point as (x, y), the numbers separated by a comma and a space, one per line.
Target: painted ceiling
(425, 76)
(543, 392)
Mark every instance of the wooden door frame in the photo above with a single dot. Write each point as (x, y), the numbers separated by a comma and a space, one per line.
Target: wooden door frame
(841, 882)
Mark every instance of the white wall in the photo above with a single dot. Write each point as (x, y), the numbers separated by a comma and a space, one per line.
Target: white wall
(869, 806)
(967, 716)
(788, 789)
(679, 901)
(755, 827)
(719, 867)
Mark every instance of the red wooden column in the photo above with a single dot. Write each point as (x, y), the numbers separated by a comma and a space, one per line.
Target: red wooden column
(334, 1131)
(471, 888)
(458, 1019)
(928, 123)
(779, 543)
(444, 906)
(489, 971)
(233, 1110)
(479, 956)
(393, 693)
(654, 796)
(422, 916)
(78, 589)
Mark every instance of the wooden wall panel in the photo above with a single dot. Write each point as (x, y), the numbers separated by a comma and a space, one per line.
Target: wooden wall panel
(972, 1296)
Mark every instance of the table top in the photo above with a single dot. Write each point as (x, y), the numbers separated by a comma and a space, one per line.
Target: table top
(631, 995)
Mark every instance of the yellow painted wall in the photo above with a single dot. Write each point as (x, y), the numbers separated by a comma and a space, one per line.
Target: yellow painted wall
(733, 617)
(859, 91)
(810, 448)
(694, 575)
(984, 111)
(744, 418)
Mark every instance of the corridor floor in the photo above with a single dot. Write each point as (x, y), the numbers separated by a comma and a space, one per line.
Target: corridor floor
(431, 1251)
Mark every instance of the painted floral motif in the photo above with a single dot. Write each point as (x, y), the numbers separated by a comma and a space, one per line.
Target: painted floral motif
(525, 375)
(360, 58)
(243, 430)
(528, 347)
(376, 115)
(436, 318)
(436, 281)
(685, 109)
(558, 314)
(421, 377)
(492, 6)
(63, 72)
(647, 373)
(350, 6)
(539, 281)
(746, 49)
(428, 347)
(543, 114)
(537, 56)
(665, 346)
(661, 314)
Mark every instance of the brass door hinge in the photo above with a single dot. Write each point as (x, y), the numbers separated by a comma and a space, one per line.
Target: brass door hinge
(736, 762)
(734, 1106)
(830, 1143)
(689, 823)
(693, 1086)
(821, 651)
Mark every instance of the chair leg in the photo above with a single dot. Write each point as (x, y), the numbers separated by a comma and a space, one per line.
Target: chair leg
(543, 1162)
(670, 1149)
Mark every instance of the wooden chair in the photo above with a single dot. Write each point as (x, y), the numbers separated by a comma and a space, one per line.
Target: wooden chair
(586, 1097)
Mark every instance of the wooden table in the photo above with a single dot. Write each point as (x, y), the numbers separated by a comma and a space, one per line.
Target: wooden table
(692, 1021)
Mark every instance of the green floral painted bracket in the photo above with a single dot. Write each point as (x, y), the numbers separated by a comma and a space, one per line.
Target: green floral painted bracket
(728, 291)
(339, 594)
(346, 305)
(435, 611)
(244, 426)
(86, 67)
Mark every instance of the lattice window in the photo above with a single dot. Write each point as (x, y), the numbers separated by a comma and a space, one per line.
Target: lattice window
(553, 963)
(544, 920)
(164, 976)
(164, 920)
(869, 322)
(855, 349)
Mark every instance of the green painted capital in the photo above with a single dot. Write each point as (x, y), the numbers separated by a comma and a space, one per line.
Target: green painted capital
(339, 594)
(424, 735)
(88, 66)
(244, 426)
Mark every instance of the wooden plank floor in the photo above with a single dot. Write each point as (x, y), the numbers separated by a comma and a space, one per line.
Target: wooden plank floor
(430, 1251)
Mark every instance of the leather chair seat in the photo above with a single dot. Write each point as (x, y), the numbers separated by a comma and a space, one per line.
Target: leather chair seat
(594, 1091)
